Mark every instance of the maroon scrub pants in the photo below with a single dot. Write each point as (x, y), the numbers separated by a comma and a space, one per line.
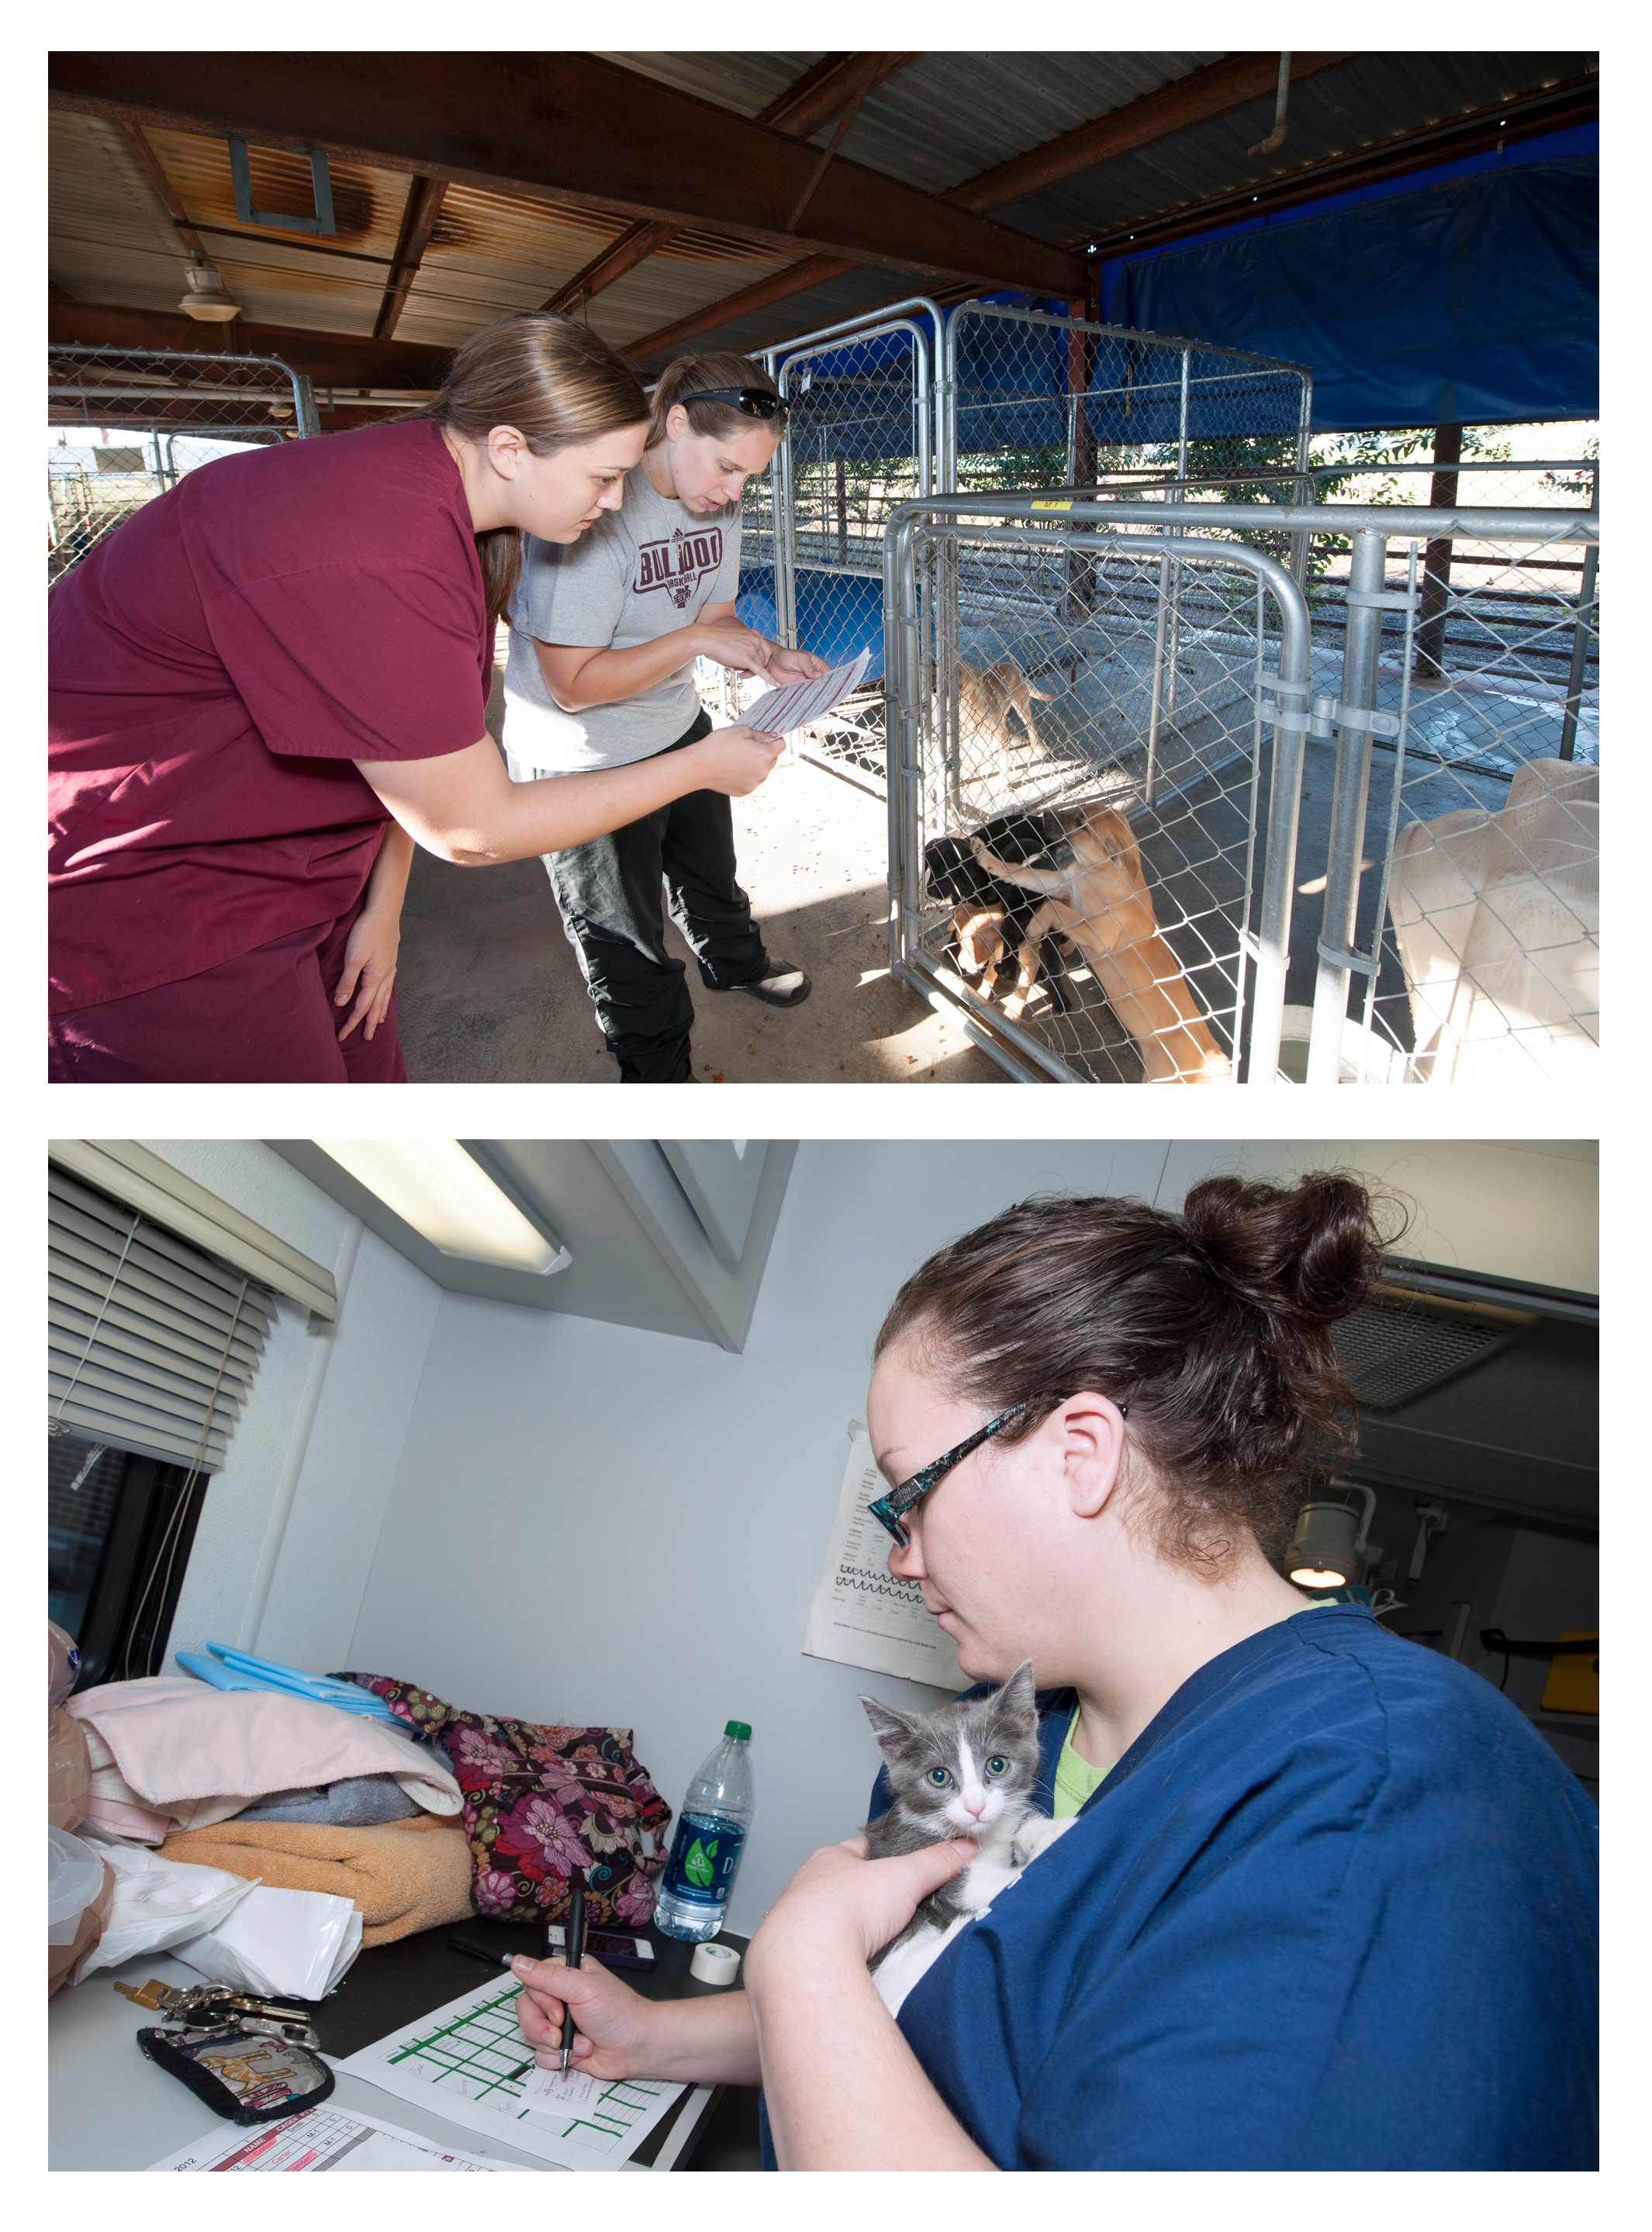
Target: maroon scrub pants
(265, 1018)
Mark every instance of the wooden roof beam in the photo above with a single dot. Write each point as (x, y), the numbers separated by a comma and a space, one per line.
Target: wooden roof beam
(349, 360)
(837, 80)
(424, 199)
(823, 92)
(563, 129)
(149, 164)
(1216, 90)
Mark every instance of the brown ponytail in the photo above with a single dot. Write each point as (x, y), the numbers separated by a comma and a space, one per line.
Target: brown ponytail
(557, 384)
(1214, 1328)
(722, 368)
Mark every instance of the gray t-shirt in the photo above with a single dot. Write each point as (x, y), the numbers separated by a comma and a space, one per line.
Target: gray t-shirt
(641, 572)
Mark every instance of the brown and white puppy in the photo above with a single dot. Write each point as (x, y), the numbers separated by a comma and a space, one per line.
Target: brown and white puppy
(986, 696)
(1102, 903)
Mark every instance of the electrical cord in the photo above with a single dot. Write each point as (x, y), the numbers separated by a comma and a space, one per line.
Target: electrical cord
(168, 1547)
(1492, 1638)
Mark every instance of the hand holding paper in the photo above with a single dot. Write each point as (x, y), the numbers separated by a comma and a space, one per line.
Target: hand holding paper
(778, 711)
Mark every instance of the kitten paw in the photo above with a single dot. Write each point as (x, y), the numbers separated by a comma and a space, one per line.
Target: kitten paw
(1037, 1833)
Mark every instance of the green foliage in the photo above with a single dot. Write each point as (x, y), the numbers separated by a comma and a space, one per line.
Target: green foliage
(1364, 453)
(1014, 469)
(1577, 485)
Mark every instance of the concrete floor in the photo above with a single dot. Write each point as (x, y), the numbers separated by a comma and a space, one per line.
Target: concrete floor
(489, 989)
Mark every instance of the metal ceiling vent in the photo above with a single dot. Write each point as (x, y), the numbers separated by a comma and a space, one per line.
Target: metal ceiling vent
(1399, 1343)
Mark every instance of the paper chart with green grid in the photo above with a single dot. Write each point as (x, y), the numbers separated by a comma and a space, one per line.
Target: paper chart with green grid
(469, 2061)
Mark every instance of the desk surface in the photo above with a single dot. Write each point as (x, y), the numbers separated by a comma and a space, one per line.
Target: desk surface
(111, 2109)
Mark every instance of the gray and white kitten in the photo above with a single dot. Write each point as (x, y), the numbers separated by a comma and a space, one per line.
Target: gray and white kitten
(967, 1769)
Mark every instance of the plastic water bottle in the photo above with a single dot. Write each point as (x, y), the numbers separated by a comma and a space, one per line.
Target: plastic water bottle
(717, 1812)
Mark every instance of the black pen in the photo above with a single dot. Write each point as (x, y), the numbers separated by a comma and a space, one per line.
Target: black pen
(575, 1955)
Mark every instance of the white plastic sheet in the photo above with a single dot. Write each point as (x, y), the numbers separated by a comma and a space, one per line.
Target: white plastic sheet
(276, 1943)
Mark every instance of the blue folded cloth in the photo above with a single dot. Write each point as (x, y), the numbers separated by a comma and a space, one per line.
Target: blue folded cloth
(239, 1670)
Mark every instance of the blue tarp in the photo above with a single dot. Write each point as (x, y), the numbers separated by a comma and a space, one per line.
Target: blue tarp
(839, 615)
(1471, 301)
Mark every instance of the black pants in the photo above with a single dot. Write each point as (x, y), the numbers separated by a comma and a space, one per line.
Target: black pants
(609, 894)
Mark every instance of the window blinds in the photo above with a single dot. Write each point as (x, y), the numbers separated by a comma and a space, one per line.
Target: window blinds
(152, 1345)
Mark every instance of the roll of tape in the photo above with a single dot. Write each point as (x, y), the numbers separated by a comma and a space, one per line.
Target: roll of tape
(715, 1964)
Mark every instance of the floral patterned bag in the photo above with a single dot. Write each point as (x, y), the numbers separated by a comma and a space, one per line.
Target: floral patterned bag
(540, 1802)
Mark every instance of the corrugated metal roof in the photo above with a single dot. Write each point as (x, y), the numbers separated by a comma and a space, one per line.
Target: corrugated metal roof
(945, 118)
(1357, 107)
(110, 242)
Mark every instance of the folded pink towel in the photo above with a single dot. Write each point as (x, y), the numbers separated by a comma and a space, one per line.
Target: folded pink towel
(169, 1753)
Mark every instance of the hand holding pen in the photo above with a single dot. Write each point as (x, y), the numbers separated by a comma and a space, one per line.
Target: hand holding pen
(575, 1955)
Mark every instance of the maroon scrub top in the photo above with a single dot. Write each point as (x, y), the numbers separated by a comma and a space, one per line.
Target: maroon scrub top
(217, 665)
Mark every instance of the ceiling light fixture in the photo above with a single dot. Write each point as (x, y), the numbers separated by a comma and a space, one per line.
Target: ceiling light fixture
(205, 295)
(440, 1190)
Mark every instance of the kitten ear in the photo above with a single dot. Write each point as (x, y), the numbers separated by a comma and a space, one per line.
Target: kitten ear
(1018, 1692)
(889, 1724)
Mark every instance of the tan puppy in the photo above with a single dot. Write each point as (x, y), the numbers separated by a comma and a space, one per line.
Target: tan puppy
(1101, 902)
(986, 696)
(977, 931)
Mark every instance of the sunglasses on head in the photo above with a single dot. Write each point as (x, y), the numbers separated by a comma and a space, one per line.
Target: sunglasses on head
(753, 402)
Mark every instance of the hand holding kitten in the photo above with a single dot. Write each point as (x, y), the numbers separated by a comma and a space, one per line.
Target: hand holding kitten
(841, 1901)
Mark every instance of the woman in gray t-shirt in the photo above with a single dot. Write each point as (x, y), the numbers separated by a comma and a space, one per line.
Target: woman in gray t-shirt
(604, 635)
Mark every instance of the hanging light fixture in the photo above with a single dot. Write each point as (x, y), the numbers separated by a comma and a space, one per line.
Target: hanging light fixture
(205, 295)
(1328, 1547)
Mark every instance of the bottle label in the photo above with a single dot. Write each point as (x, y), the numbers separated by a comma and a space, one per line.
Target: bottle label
(704, 1857)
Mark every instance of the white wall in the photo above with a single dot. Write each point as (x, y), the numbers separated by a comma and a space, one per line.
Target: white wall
(290, 1525)
(1522, 1211)
(592, 1524)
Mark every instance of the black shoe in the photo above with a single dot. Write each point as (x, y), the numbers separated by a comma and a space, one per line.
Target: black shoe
(779, 986)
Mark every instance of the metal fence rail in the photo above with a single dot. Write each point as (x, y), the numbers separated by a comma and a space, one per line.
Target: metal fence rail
(1129, 699)
(166, 398)
(1034, 399)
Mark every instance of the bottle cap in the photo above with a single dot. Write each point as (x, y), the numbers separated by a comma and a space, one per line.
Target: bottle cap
(738, 1728)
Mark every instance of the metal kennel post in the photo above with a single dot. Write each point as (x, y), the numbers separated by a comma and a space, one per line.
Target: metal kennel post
(165, 395)
(862, 439)
(1006, 584)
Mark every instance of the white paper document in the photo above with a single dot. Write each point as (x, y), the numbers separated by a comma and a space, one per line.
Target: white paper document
(469, 2061)
(322, 2138)
(861, 1614)
(778, 712)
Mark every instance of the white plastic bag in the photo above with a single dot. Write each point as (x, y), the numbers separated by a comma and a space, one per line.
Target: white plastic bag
(296, 1943)
(157, 1904)
(74, 1877)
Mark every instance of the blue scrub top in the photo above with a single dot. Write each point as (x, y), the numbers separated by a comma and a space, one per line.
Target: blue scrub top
(1335, 1909)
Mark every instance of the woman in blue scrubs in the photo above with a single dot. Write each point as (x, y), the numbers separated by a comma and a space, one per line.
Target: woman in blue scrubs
(1326, 1901)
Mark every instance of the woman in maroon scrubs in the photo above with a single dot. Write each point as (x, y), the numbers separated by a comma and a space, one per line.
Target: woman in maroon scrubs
(271, 683)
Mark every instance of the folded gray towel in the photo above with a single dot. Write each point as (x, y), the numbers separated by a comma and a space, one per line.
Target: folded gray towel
(359, 1802)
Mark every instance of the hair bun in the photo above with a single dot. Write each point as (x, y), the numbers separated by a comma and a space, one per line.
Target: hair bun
(1308, 1252)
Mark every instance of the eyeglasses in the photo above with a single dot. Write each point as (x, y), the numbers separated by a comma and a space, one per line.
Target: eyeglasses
(887, 1508)
(754, 402)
